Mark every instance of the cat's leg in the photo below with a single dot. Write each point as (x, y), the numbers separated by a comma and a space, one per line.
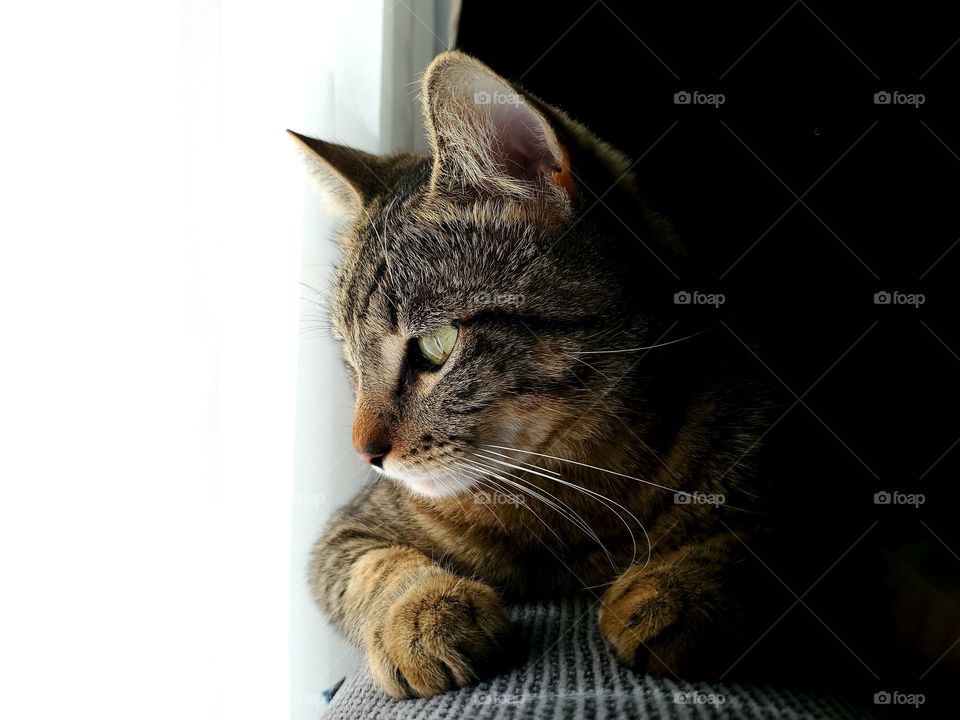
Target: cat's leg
(671, 616)
(424, 630)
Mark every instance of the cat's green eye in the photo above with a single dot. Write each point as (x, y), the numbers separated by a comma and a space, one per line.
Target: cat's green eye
(437, 345)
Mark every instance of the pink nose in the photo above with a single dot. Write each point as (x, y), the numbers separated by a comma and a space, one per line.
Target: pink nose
(374, 454)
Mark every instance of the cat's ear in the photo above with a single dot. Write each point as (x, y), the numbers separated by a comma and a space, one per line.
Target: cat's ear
(347, 177)
(489, 137)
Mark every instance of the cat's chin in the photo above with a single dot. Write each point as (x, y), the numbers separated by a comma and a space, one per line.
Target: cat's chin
(434, 485)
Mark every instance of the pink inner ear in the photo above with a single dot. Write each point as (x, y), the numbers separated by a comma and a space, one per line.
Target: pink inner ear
(522, 149)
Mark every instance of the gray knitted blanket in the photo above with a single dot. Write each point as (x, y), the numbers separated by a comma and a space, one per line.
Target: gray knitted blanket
(572, 674)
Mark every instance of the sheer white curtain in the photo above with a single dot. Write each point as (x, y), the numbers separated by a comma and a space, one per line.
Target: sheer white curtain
(171, 444)
(361, 93)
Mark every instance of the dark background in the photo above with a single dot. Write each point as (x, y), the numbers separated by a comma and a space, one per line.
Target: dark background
(879, 187)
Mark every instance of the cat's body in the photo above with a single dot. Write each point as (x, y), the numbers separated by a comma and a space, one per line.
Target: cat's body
(544, 454)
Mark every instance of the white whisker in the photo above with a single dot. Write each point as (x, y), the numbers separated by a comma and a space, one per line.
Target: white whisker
(638, 349)
(603, 500)
(558, 505)
(473, 495)
(586, 465)
(725, 505)
(522, 489)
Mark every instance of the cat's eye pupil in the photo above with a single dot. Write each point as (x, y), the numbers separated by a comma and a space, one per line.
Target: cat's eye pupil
(437, 345)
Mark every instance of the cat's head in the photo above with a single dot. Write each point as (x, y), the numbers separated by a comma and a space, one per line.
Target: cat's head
(479, 286)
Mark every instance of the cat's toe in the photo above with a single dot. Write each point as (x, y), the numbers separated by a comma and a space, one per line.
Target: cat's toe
(441, 634)
(641, 623)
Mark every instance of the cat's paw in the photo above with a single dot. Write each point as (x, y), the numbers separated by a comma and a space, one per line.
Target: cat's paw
(643, 622)
(442, 633)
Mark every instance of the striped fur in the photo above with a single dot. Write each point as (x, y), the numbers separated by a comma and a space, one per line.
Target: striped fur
(509, 243)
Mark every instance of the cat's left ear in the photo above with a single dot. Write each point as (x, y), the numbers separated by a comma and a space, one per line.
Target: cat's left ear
(489, 138)
(348, 178)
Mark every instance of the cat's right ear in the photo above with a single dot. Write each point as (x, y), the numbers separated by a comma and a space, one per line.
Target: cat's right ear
(347, 178)
(491, 138)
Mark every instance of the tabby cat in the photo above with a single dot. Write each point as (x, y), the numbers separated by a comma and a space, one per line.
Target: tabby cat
(543, 417)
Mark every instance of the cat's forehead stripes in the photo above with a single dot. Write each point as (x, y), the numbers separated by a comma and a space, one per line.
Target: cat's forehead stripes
(419, 262)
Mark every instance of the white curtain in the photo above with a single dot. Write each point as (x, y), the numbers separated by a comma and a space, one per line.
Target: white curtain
(362, 94)
(171, 444)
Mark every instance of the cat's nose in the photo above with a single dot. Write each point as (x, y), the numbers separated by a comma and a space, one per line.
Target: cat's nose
(371, 432)
(374, 454)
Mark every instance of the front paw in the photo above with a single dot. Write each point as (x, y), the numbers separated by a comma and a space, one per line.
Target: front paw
(442, 633)
(643, 622)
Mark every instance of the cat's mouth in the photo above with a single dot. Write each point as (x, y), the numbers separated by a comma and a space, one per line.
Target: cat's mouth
(470, 470)
(437, 482)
